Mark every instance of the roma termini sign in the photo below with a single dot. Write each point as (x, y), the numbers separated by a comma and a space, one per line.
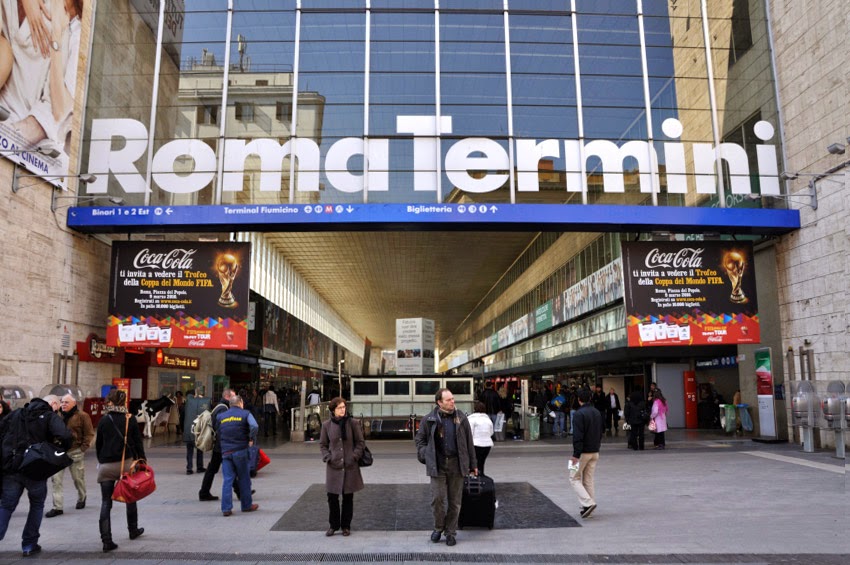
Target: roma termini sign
(474, 165)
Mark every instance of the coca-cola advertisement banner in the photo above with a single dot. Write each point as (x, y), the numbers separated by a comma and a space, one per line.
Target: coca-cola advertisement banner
(179, 294)
(690, 293)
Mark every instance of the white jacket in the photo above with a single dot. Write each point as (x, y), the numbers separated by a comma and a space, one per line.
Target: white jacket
(482, 429)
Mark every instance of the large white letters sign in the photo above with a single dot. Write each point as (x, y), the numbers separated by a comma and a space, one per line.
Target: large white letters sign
(473, 164)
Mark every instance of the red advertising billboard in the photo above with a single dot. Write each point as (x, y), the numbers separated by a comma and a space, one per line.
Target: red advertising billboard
(690, 293)
(179, 294)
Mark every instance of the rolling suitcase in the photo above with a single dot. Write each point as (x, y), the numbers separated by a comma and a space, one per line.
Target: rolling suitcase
(478, 505)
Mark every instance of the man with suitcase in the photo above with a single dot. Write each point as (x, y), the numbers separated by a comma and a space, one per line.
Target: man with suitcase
(444, 445)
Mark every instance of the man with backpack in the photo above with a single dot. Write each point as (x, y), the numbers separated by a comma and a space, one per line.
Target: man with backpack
(35, 423)
(215, 459)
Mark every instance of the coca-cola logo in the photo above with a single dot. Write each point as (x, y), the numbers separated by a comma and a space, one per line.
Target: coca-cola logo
(687, 257)
(174, 259)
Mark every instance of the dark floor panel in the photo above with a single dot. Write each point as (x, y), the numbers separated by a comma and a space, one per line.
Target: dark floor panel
(385, 507)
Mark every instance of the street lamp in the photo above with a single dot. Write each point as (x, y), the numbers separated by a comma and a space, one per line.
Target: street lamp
(84, 178)
(117, 200)
(339, 370)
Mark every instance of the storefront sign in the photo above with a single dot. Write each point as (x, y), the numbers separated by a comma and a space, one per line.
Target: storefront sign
(179, 294)
(690, 293)
(164, 359)
(95, 349)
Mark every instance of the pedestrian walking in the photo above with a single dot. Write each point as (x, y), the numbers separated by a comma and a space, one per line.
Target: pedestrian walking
(237, 430)
(205, 494)
(82, 433)
(587, 438)
(636, 416)
(195, 404)
(482, 433)
(35, 423)
(341, 443)
(658, 419)
(110, 446)
(444, 445)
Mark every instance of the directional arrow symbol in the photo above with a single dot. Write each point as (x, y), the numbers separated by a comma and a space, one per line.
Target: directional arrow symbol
(493, 209)
(169, 211)
(349, 209)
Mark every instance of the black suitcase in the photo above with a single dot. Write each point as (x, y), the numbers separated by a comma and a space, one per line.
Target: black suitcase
(478, 505)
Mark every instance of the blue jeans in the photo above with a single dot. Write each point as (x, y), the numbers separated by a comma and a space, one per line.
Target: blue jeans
(13, 488)
(234, 465)
(559, 426)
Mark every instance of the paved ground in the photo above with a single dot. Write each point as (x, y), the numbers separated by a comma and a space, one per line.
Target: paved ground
(706, 499)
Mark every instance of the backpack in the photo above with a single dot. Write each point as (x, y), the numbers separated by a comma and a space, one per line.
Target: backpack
(203, 431)
(15, 441)
(644, 415)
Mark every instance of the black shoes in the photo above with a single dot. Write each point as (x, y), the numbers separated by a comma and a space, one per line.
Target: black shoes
(203, 497)
(136, 533)
(330, 532)
(190, 472)
(202, 469)
(436, 535)
(34, 550)
(109, 546)
(450, 541)
(81, 504)
(586, 511)
(52, 513)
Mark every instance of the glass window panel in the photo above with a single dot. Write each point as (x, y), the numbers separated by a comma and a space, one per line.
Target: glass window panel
(489, 5)
(539, 5)
(396, 388)
(333, 5)
(609, 7)
(121, 74)
(403, 4)
(190, 84)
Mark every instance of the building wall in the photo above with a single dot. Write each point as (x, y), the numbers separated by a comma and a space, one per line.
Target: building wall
(810, 49)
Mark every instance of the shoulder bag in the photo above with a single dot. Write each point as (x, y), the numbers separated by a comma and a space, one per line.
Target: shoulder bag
(652, 426)
(366, 458)
(138, 481)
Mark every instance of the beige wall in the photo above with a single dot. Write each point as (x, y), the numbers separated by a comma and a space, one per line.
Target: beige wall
(811, 51)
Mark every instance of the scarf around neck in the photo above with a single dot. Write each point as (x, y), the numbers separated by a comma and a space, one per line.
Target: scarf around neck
(343, 425)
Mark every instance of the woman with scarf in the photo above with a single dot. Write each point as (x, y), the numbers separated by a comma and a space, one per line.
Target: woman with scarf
(110, 448)
(341, 442)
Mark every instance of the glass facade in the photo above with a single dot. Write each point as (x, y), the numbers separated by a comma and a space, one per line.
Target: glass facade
(556, 101)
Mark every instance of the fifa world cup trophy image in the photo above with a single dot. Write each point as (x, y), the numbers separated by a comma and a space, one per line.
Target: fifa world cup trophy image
(734, 264)
(227, 267)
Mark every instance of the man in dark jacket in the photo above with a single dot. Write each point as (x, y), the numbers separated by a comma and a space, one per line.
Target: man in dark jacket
(492, 401)
(612, 412)
(587, 437)
(444, 445)
(82, 432)
(236, 429)
(35, 423)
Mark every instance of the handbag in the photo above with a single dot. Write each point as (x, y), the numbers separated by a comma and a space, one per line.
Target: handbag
(652, 426)
(43, 460)
(366, 457)
(138, 482)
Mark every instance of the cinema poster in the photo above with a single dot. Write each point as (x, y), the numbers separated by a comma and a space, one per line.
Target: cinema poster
(690, 293)
(179, 294)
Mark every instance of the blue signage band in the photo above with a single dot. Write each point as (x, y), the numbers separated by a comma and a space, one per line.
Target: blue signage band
(432, 217)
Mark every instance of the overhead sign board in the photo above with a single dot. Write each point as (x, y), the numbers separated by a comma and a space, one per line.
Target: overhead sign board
(354, 217)
(179, 294)
(690, 293)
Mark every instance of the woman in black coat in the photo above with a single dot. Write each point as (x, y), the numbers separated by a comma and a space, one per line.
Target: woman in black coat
(634, 414)
(110, 447)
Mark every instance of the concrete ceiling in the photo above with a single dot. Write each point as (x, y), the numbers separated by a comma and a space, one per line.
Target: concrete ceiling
(372, 278)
